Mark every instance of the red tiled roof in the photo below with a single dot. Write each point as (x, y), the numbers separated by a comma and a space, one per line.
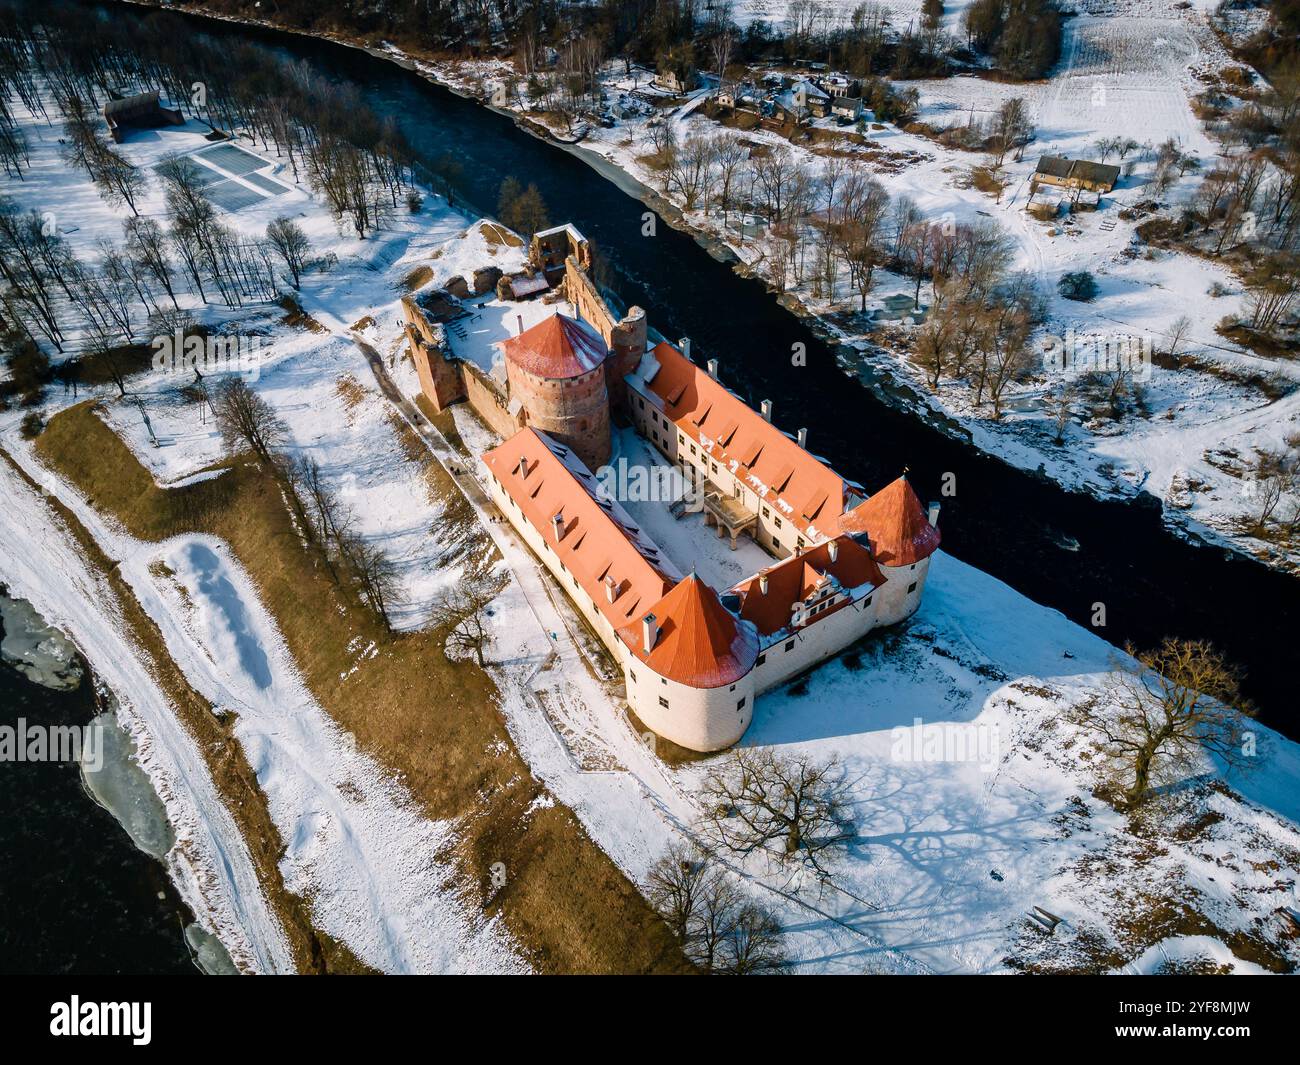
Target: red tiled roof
(896, 524)
(699, 642)
(793, 579)
(597, 539)
(800, 487)
(557, 348)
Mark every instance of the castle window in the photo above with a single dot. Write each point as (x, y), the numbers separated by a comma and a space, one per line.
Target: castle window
(632, 675)
(799, 542)
(777, 523)
(760, 660)
(741, 705)
(789, 645)
(766, 513)
(640, 402)
(866, 601)
(911, 588)
(663, 702)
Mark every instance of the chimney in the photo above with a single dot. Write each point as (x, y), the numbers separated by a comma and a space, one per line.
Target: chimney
(557, 523)
(934, 514)
(713, 368)
(766, 408)
(520, 319)
(523, 466)
(833, 549)
(803, 438)
(685, 345)
(610, 593)
(762, 583)
(649, 632)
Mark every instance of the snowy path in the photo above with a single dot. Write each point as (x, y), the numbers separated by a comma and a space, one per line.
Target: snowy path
(357, 845)
(210, 862)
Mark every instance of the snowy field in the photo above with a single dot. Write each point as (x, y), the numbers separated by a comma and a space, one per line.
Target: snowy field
(373, 868)
(949, 854)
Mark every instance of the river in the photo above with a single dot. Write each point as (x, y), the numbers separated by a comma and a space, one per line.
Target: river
(77, 894)
(1012, 524)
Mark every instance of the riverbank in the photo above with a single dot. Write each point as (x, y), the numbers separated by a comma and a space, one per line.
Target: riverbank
(97, 820)
(1203, 500)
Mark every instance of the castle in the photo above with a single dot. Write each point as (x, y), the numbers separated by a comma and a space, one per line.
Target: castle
(694, 658)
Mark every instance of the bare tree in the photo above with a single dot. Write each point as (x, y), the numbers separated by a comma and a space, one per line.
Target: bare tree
(246, 420)
(791, 806)
(753, 945)
(1165, 711)
(1178, 334)
(463, 612)
(719, 929)
(676, 887)
(377, 575)
(291, 244)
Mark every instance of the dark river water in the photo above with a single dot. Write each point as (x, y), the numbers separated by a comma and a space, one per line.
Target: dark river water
(1008, 523)
(76, 896)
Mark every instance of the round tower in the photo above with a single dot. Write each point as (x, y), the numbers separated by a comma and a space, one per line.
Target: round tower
(628, 341)
(556, 373)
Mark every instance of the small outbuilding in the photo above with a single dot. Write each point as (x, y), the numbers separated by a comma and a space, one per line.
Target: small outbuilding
(1077, 174)
(141, 111)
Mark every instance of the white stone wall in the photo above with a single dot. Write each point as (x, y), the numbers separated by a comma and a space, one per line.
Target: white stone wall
(896, 602)
(701, 719)
(816, 642)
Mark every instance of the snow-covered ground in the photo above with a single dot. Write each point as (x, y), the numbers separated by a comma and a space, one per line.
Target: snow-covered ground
(209, 863)
(1128, 69)
(949, 854)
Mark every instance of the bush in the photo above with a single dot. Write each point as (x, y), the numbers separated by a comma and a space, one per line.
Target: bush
(414, 201)
(32, 425)
(1078, 285)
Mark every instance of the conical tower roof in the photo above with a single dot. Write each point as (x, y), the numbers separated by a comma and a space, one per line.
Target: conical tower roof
(557, 348)
(699, 643)
(896, 525)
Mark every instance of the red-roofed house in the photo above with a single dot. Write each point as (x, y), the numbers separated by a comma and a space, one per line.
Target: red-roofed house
(688, 662)
(902, 536)
(694, 660)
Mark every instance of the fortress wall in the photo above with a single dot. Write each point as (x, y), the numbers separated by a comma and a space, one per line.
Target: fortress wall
(489, 401)
(816, 642)
(895, 601)
(586, 298)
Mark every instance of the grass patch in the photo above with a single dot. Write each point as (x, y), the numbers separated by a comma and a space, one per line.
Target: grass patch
(417, 278)
(434, 722)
